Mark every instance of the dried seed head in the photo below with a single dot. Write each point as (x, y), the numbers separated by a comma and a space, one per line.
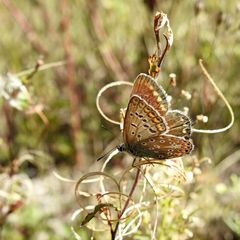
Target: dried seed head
(186, 110)
(186, 94)
(173, 80)
(202, 118)
(198, 6)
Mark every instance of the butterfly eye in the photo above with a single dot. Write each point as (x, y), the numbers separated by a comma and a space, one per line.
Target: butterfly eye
(133, 133)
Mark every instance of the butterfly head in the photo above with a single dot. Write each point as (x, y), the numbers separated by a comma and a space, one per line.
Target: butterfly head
(121, 147)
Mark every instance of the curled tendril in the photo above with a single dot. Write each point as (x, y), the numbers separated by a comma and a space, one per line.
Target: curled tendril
(146, 162)
(99, 179)
(220, 94)
(115, 200)
(118, 198)
(104, 89)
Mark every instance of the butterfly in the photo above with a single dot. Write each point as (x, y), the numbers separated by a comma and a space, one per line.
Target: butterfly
(150, 128)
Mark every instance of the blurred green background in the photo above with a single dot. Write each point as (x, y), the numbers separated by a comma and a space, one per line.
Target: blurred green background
(50, 120)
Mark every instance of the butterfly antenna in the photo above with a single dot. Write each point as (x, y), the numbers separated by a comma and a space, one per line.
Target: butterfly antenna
(106, 154)
(120, 148)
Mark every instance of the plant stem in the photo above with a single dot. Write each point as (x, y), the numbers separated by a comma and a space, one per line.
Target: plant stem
(114, 232)
(72, 86)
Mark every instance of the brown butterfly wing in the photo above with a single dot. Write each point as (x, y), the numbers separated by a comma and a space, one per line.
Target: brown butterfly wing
(162, 147)
(141, 122)
(155, 96)
(178, 124)
(150, 130)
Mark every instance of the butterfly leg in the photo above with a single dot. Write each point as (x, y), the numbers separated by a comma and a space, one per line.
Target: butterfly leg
(133, 163)
(147, 160)
(142, 170)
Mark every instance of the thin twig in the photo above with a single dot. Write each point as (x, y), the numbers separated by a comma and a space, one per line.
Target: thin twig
(41, 68)
(71, 80)
(227, 162)
(127, 202)
(38, 64)
(25, 27)
(10, 128)
(108, 55)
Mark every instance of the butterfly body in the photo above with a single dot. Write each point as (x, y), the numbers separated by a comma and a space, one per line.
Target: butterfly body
(150, 128)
